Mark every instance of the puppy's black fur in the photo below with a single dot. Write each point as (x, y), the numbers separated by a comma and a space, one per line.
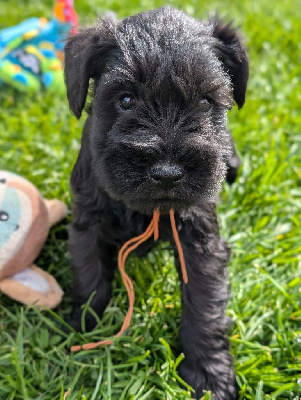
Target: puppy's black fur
(156, 136)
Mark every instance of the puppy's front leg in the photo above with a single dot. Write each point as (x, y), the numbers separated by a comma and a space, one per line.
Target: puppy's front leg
(93, 270)
(203, 333)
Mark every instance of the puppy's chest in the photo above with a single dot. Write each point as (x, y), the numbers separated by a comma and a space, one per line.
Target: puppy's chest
(118, 229)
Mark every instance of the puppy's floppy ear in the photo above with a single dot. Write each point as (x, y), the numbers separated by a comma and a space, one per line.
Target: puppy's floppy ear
(85, 56)
(231, 51)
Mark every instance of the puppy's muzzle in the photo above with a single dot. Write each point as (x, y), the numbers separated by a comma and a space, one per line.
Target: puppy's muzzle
(166, 176)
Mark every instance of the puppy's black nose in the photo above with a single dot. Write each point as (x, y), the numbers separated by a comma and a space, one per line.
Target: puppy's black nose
(166, 175)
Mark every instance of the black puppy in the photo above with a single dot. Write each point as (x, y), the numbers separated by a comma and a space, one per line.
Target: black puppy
(156, 137)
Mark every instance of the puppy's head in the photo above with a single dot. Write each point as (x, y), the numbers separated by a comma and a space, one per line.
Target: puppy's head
(162, 85)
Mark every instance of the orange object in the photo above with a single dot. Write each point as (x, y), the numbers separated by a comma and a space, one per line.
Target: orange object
(178, 243)
(17, 68)
(126, 249)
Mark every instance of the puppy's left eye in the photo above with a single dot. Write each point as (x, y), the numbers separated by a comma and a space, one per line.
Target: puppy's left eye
(205, 104)
(127, 102)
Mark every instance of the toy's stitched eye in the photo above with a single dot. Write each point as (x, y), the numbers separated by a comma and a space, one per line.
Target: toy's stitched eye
(3, 216)
(127, 102)
(205, 104)
(3, 180)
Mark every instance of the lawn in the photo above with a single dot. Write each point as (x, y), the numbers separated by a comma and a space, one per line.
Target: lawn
(259, 215)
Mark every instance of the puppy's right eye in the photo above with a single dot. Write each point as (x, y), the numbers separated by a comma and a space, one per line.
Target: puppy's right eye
(127, 102)
(205, 104)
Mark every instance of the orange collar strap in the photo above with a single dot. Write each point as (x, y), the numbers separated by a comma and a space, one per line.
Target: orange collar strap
(126, 249)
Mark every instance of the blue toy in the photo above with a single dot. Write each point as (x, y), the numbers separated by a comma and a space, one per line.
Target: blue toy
(31, 53)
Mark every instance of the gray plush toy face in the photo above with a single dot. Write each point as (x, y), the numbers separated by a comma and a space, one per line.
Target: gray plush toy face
(163, 85)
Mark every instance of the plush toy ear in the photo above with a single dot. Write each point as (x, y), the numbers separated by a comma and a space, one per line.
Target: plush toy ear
(231, 51)
(85, 56)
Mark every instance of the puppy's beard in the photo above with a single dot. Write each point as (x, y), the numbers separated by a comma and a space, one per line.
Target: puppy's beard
(146, 198)
(147, 204)
(127, 182)
(164, 205)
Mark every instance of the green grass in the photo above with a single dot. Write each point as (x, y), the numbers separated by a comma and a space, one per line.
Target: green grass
(259, 216)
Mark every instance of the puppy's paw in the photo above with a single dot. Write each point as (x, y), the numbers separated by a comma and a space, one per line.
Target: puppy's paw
(75, 321)
(74, 324)
(221, 384)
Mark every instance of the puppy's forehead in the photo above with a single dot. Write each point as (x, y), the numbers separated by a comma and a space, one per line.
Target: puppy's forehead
(159, 32)
(164, 26)
(167, 42)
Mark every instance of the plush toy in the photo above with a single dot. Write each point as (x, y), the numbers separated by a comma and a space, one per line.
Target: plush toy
(25, 219)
